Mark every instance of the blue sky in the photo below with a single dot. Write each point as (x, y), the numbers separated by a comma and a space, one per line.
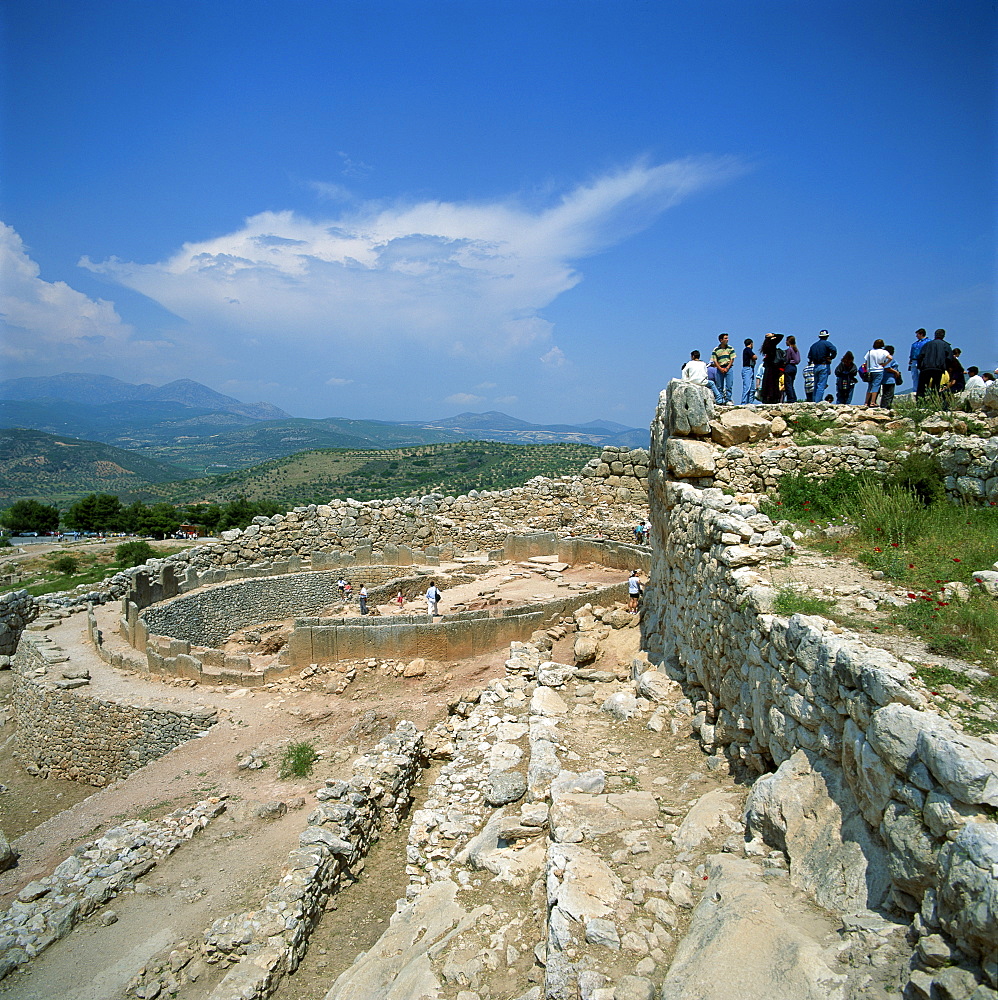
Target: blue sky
(405, 210)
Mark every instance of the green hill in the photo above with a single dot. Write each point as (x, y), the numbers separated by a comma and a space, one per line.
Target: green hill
(318, 476)
(56, 469)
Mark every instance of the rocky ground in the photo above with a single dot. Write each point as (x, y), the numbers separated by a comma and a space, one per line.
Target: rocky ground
(569, 839)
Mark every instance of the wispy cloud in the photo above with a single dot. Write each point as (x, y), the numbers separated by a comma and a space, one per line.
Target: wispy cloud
(47, 319)
(555, 358)
(464, 399)
(339, 381)
(468, 279)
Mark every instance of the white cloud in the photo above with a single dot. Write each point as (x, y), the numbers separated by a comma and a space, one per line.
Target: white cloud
(339, 381)
(555, 358)
(464, 399)
(466, 279)
(49, 319)
(506, 400)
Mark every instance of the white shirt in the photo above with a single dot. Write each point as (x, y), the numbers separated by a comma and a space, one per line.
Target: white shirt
(695, 371)
(876, 358)
(975, 382)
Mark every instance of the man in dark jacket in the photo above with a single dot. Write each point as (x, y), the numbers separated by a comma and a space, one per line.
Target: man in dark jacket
(932, 361)
(820, 355)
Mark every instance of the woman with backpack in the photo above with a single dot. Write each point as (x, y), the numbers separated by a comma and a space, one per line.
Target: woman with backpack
(846, 377)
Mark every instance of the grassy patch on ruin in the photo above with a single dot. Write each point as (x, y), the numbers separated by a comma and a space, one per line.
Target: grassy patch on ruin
(907, 529)
(805, 428)
(790, 601)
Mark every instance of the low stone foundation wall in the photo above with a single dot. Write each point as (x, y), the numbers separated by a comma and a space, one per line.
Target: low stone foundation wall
(765, 687)
(271, 940)
(66, 734)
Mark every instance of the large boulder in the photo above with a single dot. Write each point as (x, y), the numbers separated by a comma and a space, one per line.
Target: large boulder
(740, 426)
(689, 459)
(690, 409)
(806, 810)
(8, 854)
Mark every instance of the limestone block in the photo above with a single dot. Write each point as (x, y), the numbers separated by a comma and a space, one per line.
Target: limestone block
(742, 932)
(689, 459)
(806, 810)
(689, 409)
(966, 767)
(967, 896)
(738, 426)
(911, 853)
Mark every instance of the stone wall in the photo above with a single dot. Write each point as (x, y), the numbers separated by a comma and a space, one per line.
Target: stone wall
(620, 467)
(270, 941)
(17, 609)
(748, 448)
(765, 688)
(64, 734)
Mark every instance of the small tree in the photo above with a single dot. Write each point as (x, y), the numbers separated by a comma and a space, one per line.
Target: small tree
(65, 565)
(96, 512)
(130, 554)
(30, 515)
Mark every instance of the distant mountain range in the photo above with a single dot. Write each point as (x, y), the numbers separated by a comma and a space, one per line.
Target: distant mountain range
(195, 430)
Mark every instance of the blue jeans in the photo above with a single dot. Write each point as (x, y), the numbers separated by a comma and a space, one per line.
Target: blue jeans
(726, 383)
(748, 385)
(789, 392)
(821, 373)
(715, 389)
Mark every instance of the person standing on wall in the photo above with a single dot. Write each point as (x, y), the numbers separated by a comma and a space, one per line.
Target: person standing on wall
(846, 377)
(877, 359)
(821, 355)
(892, 379)
(749, 358)
(723, 359)
(433, 596)
(772, 368)
(932, 362)
(916, 349)
(790, 364)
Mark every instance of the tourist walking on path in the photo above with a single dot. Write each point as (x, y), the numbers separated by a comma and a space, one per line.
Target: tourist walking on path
(790, 364)
(932, 362)
(846, 377)
(433, 596)
(772, 368)
(892, 379)
(633, 591)
(916, 349)
(749, 358)
(821, 354)
(695, 370)
(362, 597)
(723, 359)
(877, 358)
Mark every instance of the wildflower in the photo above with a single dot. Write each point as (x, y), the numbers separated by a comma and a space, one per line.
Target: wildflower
(911, 565)
(955, 559)
(878, 549)
(913, 596)
(895, 544)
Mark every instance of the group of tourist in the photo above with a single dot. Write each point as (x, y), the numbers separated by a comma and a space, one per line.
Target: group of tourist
(934, 365)
(433, 597)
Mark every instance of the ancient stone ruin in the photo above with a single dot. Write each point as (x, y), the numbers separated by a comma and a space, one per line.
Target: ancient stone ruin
(703, 800)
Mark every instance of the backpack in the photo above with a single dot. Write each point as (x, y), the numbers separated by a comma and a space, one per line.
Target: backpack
(863, 373)
(779, 357)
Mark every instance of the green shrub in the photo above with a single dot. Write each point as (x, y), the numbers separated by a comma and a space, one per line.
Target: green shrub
(802, 497)
(920, 474)
(130, 554)
(889, 517)
(65, 565)
(297, 760)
